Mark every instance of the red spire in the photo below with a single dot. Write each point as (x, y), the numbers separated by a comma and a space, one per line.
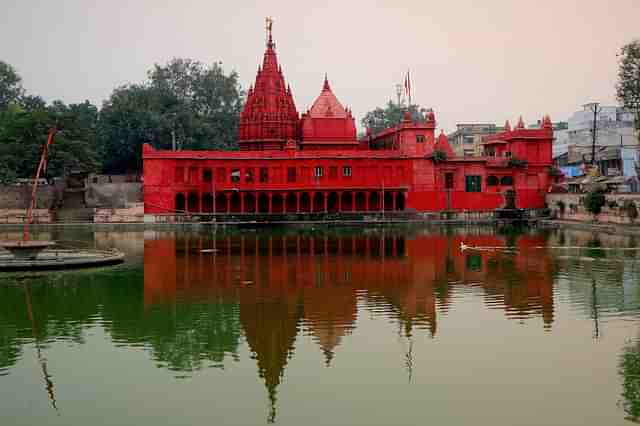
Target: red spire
(269, 112)
(507, 126)
(546, 122)
(326, 83)
(520, 123)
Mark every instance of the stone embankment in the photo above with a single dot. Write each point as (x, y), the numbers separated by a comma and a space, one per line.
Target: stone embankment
(618, 209)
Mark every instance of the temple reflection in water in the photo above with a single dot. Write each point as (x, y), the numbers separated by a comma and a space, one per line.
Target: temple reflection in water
(318, 280)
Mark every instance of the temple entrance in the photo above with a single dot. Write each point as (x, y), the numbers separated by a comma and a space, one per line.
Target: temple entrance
(347, 201)
(235, 202)
(193, 203)
(263, 203)
(277, 203)
(374, 201)
(180, 204)
(249, 203)
(221, 203)
(332, 202)
(400, 201)
(305, 202)
(291, 203)
(207, 203)
(388, 201)
(318, 202)
(361, 201)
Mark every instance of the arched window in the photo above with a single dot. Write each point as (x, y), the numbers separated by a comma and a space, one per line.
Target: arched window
(506, 181)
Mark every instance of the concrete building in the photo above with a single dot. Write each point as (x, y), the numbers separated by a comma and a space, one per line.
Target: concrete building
(615, 135)
(466, 141)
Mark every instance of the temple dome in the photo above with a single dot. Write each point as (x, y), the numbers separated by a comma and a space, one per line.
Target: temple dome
(327, 105)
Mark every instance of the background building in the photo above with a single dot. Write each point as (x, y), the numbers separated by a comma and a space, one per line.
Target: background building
(615, 139)
(466, 141)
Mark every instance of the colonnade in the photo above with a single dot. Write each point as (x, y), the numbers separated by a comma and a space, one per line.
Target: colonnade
(272, 202)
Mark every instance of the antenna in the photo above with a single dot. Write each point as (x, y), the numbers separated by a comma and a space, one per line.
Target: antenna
(399, 93)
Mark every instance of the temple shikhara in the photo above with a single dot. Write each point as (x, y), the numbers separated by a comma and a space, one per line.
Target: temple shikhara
(313, 162)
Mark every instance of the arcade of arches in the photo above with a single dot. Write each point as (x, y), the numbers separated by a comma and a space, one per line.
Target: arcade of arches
(290, 202)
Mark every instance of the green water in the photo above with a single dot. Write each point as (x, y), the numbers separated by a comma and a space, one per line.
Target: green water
(378, 326)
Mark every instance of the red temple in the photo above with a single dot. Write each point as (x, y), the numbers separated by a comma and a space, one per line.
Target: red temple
(314, 163)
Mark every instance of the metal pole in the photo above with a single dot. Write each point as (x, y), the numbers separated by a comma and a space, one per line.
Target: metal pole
(594, 106)
(32, 204)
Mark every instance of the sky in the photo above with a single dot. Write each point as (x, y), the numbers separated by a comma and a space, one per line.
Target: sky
(470, 60)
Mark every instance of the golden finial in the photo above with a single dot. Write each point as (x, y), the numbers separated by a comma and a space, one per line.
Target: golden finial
(268, 26)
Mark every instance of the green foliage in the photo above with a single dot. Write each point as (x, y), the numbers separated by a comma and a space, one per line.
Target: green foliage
(23, 134)
(439, 156)
(25, 121)
(555, 172)
(517, 162)
(594, 201)
(629, 369)
(628, 87)
(382, 118)
(10, 86)
(194, 104)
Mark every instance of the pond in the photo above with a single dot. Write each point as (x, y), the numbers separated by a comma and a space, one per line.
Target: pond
(315, 326)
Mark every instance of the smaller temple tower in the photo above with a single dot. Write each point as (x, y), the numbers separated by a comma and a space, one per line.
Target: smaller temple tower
(269, 118)
(328, 125)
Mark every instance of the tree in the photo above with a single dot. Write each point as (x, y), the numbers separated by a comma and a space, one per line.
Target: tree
(10, 86)
(196, 106)
(23, 133)
(594, 201)
(628, 87)
(382, 118)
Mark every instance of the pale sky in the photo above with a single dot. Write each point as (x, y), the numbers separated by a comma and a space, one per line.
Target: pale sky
(470, 60)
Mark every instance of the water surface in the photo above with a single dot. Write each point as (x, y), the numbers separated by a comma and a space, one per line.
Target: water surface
(372, 326)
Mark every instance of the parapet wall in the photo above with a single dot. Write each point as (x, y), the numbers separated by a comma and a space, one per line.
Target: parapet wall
(19, 196)
(113, 195)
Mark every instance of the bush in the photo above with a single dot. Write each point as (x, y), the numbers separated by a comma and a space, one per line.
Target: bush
(439, 156)
(561, 206)
(594, 201)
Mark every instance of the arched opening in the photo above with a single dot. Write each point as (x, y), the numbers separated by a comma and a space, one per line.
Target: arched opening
(234, 202)
(193, 203)
(332, 202)
(263, 203)
(492, 180)
(207, 203)
(361, 201)
(180, 203)
(291, 203)
(305, 202)
(347, 201)
(249, 203)
(400, 201)
(277, 203)
(388, 201)
(318, 202)
(221, 203)
(374, 201)
(506, 181)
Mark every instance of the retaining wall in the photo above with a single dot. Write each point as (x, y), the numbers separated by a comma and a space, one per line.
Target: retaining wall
(574, 208)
